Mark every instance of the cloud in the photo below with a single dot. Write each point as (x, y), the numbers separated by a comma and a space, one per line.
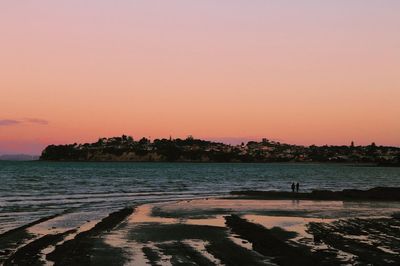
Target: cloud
(13, 122)
(9, 122)
(36, 121)
(239, 140)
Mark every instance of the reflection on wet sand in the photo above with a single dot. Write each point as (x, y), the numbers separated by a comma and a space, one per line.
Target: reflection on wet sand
(226, 232)
(293, 224)
(156, 231)
(142, 214)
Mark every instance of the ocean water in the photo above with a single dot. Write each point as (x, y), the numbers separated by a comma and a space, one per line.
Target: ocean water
(31, 190)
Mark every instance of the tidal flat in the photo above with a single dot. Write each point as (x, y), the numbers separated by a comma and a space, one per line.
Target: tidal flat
(233, 230)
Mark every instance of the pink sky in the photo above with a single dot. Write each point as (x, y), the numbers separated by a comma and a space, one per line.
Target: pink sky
(304, 72)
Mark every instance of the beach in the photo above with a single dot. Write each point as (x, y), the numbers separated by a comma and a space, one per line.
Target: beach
(229, 230)
(70, 213)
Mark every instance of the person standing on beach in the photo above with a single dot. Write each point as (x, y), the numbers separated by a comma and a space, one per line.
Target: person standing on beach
(297, 187)
(293, 186)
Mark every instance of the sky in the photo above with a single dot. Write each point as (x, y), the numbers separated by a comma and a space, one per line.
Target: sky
(303, 72)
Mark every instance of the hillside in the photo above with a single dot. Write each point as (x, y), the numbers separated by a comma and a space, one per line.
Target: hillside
(125, 148)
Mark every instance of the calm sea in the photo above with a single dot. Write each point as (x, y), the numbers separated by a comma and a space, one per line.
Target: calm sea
(30, 190)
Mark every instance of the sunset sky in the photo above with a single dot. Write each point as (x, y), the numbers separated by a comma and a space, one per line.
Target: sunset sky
(303, 72)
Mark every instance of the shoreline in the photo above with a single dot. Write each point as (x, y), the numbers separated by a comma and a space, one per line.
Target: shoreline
(350, 164)
(207, 230)
(373, 194)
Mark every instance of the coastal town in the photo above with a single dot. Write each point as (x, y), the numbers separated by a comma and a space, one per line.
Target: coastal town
(125, 148)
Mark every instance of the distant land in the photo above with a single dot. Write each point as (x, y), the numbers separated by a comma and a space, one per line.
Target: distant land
(18, 157)
(125, 148)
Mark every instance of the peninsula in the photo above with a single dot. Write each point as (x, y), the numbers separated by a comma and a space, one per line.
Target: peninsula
(125, 148)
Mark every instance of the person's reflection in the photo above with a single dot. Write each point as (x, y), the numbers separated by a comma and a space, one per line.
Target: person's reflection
(295, 202)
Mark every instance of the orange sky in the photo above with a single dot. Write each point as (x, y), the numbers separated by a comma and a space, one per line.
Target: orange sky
(305, 72)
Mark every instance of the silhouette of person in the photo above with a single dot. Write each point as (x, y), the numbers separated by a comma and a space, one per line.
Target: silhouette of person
(297, 187)
(293, 186)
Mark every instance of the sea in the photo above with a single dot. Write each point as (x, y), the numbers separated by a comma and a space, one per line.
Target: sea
(90, 190)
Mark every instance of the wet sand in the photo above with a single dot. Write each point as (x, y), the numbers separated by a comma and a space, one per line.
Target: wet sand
(216, 231)
(373, 194)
